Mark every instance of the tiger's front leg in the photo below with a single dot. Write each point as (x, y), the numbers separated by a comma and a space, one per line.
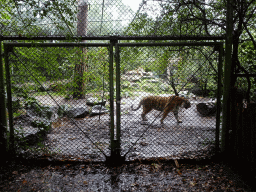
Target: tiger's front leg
(143, 116)
(176, 116)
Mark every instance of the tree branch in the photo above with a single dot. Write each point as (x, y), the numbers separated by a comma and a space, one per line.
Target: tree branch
(250, 35)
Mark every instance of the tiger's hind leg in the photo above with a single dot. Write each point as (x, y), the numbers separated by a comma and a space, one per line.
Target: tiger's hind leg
(146, 109)
(166, 111)
(176, 116)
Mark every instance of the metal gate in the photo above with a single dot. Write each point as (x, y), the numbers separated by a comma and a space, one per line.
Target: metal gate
(59, 101)
(74, 100)
(189, 70)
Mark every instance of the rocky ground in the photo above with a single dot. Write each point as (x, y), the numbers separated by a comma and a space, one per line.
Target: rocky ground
(89, 137)
(71, 139)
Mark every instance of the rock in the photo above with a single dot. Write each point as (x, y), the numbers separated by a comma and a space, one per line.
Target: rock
(206, 109)
(147, 77)
(135, 85)
(199, 92)
(125, 94)
(29, 131)
(164, 87)
(148, 74)
(149, 87)
(99, 109)
(95, 101)
(125, 85)
(62, 110)
(42, 124)
(78, 112)
(32, 136)
(153, 81)
(34, 109)
(187, 95)
(138, 71)
(135, 79)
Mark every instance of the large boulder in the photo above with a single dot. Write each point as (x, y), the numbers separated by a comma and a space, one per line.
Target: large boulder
(95, 101)
(98, 110)
(206, 109)
(35, 109)
(78, 112)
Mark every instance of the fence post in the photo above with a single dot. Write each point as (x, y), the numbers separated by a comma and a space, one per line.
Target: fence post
(9, 98)
(115, 157)
(252, 133)
(227, 79)
(3, 118)
(219, 93)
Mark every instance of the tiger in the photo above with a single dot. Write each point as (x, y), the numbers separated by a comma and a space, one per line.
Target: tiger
(165, 104)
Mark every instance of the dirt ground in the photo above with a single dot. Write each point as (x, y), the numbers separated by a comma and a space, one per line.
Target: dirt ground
(152, 176)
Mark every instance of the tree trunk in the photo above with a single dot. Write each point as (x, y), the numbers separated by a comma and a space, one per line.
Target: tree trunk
(81, 67)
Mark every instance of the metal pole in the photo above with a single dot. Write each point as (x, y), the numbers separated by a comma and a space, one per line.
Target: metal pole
(115, 157)
(9, 98)
(107, 38)
(118, 100)
(219, 93)
(111, 88)
(118, 97)
(227, 78)
(3, 118)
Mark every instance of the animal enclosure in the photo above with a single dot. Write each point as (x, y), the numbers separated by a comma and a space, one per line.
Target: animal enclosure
(74, 101)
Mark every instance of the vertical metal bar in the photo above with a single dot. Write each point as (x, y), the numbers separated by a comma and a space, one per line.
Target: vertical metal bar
(118, 98)
(3, 118)
(219, 93)
(227, 78)
(9, 97)
(111, 88)
(115, 157)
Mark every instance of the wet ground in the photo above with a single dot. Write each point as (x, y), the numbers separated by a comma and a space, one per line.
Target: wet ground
(127, 177)
(72, 140)
(88, 138)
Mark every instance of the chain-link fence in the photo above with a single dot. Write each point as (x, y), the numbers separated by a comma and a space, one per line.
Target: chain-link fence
(95, 18)
(61, 100)
(64, 94)
(176, 89)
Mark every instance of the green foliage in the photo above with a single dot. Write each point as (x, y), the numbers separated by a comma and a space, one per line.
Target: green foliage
(44, 125)
(175, 66)
(52, 69)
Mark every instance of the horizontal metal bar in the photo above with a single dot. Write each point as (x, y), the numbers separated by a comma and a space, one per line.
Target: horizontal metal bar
(57, 44)
(244, 75)
(17, 37)
(170, 44)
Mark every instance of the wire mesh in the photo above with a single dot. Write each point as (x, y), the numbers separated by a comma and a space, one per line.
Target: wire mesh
(61, 100)
(109, 17)
(189, 72)
(54, 113)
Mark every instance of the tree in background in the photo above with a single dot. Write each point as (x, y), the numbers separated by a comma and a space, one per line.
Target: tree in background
(80, 67)
(206, 18)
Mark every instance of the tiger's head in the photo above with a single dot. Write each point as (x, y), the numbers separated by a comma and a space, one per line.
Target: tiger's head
(186, 104)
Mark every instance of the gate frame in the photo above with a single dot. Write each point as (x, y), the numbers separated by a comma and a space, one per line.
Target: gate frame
(218, 46)
(8, 47)
(115, 143)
